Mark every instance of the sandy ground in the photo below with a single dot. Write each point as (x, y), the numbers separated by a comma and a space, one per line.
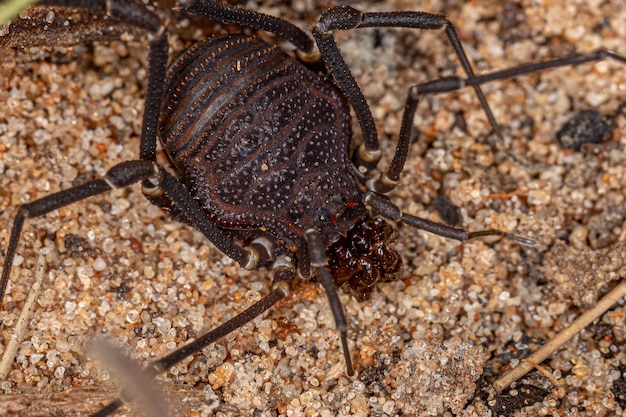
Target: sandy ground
(430, 344)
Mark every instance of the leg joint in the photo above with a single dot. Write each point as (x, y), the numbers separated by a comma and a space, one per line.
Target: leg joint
(339, 18)
(130, 172)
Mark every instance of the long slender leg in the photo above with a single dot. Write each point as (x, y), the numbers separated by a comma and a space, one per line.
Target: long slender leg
(390, 179)
(347, 18)
(124, 175)
(317, 256)
(254, 20)
(366, 157)
(446, 84)
(381, 206)
(121, 175)
(280, 288)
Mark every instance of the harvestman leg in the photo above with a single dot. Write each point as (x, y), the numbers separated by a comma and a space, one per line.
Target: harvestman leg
(137, 16)
(388, 180)
(447, 84)
(280, 284)
(366, 157)
(347, 18)
(223, 13)
(122, 175)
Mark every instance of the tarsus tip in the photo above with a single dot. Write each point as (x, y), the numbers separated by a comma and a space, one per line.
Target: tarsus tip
(524, 240)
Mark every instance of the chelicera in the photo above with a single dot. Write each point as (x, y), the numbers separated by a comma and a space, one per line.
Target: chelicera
(260, 145)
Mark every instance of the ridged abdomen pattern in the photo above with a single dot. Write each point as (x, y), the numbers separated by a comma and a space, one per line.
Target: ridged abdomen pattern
(260, 140)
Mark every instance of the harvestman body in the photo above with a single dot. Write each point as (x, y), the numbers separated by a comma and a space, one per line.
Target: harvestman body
(260, 145)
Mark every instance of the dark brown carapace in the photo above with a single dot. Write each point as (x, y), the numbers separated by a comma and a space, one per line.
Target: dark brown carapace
(261, 142)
